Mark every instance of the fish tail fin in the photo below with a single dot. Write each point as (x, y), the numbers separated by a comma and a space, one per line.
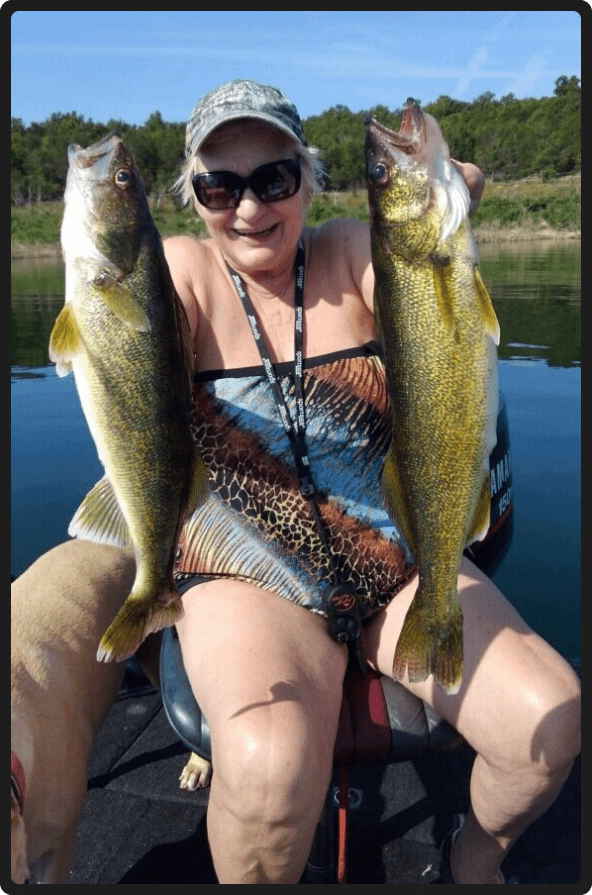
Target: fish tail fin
(430, 647)
(137, 618)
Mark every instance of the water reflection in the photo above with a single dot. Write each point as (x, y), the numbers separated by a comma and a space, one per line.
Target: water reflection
(536, 291)
(543, 261)
(17, 372)
(37, 295)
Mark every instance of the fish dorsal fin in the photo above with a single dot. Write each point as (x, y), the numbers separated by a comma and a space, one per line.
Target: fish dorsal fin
(65, 340)
(99, 517)
(121, 301)
(489, 315)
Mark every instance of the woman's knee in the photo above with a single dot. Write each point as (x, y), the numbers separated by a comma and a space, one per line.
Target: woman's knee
(273, 773)
(269, 680)
(540, 732)
(556, 739)
(534, 694)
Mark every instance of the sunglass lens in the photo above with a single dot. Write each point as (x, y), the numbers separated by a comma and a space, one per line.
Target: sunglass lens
(271, 183)
(218, 190)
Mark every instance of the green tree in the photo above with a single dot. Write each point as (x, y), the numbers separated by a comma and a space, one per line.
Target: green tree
(507, 138)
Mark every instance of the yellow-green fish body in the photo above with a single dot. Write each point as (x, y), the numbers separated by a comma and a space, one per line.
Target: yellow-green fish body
(124, 333)
(440, 334)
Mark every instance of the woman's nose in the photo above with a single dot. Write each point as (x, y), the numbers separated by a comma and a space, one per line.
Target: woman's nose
(249, 206)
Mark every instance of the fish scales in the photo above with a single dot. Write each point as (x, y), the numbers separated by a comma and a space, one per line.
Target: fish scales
(440, 334)
(124, 333)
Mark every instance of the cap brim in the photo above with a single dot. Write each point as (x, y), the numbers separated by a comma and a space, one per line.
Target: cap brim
(237, 116)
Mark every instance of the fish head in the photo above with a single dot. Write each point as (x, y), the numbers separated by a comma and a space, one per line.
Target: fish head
(414, 191)
(106, 209)
(398, 183)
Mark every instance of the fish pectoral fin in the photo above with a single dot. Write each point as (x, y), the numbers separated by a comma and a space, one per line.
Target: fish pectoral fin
(481, 519)
(443, 294)
(489, 315)
(65, 340)
(429, 645)
(394, 499)
(99, 517)
(120, 300)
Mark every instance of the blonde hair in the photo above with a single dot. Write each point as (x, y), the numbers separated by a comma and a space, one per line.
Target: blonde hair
(312, 166)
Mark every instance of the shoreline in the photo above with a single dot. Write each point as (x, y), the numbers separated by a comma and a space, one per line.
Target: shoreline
(483, 234)
(488, 234)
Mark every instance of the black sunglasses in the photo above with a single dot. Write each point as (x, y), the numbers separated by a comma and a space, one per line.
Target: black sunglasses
(270, 183)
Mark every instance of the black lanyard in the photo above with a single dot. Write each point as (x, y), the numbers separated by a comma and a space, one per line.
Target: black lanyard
(339, 599)
(296, 432)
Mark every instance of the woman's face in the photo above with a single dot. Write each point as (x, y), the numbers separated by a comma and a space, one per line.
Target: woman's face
(254, 237)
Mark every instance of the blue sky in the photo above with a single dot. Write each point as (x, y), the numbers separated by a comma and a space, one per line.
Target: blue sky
(128, 64)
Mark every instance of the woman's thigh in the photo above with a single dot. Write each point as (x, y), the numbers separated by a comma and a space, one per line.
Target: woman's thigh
(263, 669)
(517, 691)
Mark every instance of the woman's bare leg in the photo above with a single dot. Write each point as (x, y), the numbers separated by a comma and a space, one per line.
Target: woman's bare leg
(269, 679)
(519, 707)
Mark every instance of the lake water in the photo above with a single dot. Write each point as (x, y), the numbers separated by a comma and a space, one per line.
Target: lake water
(536, 290)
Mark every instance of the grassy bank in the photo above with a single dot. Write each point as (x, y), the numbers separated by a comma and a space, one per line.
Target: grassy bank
(529, 209)
(525, 209)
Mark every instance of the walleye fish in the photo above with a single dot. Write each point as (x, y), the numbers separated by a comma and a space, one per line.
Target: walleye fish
(440, 333)
(124, 333)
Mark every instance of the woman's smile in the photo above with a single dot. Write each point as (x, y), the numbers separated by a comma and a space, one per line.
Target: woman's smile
(255, 234)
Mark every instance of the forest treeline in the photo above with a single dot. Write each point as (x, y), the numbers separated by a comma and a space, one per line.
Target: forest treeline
(508, 138)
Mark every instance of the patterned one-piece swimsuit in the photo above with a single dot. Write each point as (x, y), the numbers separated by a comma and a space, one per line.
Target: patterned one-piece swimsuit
(257, 527)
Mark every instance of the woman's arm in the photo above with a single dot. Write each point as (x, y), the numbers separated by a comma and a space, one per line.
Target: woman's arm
(184, 255)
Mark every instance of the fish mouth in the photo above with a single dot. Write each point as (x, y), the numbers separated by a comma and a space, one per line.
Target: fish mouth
(410, 135)
(95, 161)
(408, 140)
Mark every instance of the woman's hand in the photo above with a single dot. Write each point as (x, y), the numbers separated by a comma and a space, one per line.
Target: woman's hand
(474, 179)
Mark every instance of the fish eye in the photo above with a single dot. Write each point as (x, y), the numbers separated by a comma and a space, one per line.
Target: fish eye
(380, 174)
(124, 178)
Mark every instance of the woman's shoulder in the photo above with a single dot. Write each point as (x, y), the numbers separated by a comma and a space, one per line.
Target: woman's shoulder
(190, 260)
(184, 247)
(338, 231)
(344, 245)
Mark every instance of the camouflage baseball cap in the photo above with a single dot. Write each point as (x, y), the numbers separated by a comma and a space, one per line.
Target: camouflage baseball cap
(241, 99)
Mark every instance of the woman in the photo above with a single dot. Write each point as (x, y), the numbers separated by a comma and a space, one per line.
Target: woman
(264, 668)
